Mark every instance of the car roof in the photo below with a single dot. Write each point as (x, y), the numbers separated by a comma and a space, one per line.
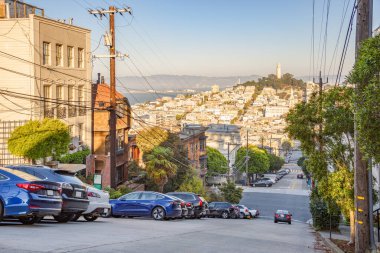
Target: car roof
(20, 174)
(282, 211)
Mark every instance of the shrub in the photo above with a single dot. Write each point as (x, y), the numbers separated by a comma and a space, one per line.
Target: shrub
(118, 192)
(320, 211)
(213, 196)
(231, 193)
(78, 157)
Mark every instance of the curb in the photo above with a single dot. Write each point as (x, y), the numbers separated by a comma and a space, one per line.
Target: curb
(330, 244)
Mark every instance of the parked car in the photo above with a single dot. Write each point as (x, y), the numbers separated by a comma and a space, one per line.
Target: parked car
(199, 203)
(145, 203)
(187, 207)
(269, 179)
(263, 183)
(244, 212)
(300, 176)
(26, 197)
(283, 216)
(74, 194)
(274, 176)
(254, 213)
(99, 204)
(223, 210)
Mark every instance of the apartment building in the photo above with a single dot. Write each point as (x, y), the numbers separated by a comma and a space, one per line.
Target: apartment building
(45, 71)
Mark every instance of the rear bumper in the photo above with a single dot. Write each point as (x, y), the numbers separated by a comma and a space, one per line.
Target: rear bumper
(40, 212)
(98, 208)
(174, 213)
(72, 205)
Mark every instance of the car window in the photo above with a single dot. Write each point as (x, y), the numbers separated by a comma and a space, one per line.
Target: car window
(226, 205)
(148, 196)
(211, 205)
(2, 177)
(21, 174)
(187, 197)
(129, 196)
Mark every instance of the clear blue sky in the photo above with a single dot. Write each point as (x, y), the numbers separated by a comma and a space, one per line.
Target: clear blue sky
(214, 37)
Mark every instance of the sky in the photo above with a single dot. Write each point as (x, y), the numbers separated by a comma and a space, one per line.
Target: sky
(217, 37)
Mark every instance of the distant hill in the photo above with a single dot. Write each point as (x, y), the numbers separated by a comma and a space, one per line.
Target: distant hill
(181, 82)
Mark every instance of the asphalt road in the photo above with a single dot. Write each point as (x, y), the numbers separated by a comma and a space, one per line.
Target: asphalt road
(146, 235)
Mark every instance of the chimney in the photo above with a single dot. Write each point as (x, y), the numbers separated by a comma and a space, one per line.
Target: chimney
(98, 81)
(102, 80)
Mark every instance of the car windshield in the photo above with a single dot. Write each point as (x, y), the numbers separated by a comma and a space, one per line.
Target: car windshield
(68, 177)
(187, 197)
(282, 212)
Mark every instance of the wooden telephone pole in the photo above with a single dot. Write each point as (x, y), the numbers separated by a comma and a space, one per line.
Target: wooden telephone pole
(110, 41)
(362, 208)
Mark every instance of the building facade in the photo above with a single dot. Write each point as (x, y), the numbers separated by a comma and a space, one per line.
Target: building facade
(45, 71)
(98, 163)
(193, 137)
(226, 139)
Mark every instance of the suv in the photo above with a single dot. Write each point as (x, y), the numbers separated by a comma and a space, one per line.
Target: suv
(199, 203)
(74, 194)
(224, 210)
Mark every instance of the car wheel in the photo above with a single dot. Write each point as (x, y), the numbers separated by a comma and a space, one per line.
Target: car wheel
(64, 217)
(130, 217)
(28, 220)
(158, 213)
(76, 217)
(241, 215)
(1, 210)
(275, 221)
(225, 215)
(290, 222)
(90, 217)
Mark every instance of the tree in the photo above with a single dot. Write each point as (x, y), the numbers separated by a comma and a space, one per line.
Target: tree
(78, 157)
(329, 146)
(40, 139)
(150, 138)
(192, 184)
(286, 146)
(159, 166)
(275, 162)
(216, 162)
(258, 159)
(231, 193)
(366, 74)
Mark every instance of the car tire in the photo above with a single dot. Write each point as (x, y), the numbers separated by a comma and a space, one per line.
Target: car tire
(63, 217)
(275, 221)
(76, 217)
(90, 217)
(28, 220)
(225, 215)
(242, 215)
(130, 217)
(158, 213)
(289, 222)
(1, 210)
(116, 216)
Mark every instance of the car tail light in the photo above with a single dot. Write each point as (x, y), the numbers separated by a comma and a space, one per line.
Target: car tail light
(200, 203)
(276, 215)
(188, 204)
(60, 190)
(30, 187)
(93, 194)
(182, 204)
(288, 216)
(246, 210)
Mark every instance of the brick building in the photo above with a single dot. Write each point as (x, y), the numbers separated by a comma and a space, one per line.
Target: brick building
(98, 163)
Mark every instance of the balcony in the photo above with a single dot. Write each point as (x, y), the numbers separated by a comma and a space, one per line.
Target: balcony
(61, 112)
(17, 9)
(49, 112)
(82, 112)
(72, 111)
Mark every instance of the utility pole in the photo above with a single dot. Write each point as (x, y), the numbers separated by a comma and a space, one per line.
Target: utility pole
(246, 161)
(110, 41)
(320, 93)
(361, 176)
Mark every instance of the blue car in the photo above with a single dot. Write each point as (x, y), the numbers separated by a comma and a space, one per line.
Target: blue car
(144, 203)
(26, 197)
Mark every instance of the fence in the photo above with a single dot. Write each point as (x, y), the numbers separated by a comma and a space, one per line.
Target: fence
(6, 128)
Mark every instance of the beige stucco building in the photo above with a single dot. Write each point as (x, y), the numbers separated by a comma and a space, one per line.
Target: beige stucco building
(45, 69)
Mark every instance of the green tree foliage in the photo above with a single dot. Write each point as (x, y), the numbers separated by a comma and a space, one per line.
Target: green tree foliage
(231, 193)
(150, 138)
(39, 139)
(192, 184)
(366, 74)
(258, 159)
(118, 192)
(272, 81)
(78, 157)
(302, 163)
(330, 147)
(286, 146)
(275, 162)
(216, 162)
(159, 166)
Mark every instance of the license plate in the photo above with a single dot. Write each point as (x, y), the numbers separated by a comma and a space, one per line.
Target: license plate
(50, 192)
(78, 194)
(282, 216)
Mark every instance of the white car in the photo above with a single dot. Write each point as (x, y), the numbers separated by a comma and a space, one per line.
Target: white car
(99, 204)
(273, 180)
(254, 213)
(244, 212)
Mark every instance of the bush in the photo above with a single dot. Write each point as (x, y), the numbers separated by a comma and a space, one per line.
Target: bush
(118, 192)
(192, 184)
(231, 193)
(213, 196)
(320, 212)
(78, 157)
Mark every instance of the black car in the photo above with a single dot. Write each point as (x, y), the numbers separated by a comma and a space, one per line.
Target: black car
(74, 194)
(200, 205)
(185, 206)
(263, 183)
(300, 176)
(283, 216)
(223, 210)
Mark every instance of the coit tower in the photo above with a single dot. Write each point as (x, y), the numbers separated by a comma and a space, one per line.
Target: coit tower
(278, 71)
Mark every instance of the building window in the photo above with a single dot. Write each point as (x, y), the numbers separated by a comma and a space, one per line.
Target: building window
(70, 98)
(80, 58)
(71, 130)
(61, 109)
(48, 112)
(59, 91)
(82, 109)
(202, 145)
(46, 53)
(70, 57)
(120, 140)
(58, 55)
(80, 131)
